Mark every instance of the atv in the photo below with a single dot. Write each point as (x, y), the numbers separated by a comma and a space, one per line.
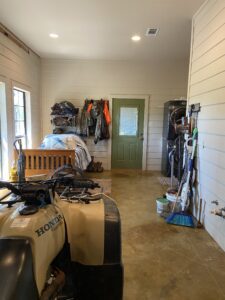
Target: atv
(59, 241)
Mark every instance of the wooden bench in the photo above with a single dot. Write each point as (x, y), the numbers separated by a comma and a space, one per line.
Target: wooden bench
(41, 161)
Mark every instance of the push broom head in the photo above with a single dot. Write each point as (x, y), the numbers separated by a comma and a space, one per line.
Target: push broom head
(181, 219)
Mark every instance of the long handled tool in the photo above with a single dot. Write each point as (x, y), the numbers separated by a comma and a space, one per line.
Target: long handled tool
(182, 218)
(21, 160)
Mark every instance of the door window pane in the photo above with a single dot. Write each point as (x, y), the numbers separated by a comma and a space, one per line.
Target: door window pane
(128, 121)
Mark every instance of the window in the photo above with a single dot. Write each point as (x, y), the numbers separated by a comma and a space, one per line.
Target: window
(19, 99)
(4, 154)
(128, 121)
(0, 148)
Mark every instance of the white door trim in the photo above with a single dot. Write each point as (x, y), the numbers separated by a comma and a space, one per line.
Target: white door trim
(5, 122)
(145, 133)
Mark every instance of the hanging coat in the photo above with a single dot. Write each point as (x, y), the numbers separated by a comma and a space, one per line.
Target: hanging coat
(106, 113)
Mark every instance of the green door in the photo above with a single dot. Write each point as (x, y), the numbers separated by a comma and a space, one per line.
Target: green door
(127, 133)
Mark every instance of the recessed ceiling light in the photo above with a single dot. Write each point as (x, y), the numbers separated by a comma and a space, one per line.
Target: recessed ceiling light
(136, 38)
(54, 35)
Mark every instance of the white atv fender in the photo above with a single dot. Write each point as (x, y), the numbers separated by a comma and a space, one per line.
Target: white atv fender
(29, 244)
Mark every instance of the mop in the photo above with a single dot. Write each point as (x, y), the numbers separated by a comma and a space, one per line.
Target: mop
(182, 218)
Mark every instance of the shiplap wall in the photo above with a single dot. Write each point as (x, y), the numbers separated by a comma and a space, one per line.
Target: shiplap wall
(76, 80)
(99, 151)
(207, 86)
(18, 68)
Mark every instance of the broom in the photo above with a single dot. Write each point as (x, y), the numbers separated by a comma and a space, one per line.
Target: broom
(182, 218)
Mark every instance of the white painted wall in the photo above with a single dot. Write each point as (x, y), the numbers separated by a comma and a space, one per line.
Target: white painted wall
(18, 68)
(76, 80)
(207, 86)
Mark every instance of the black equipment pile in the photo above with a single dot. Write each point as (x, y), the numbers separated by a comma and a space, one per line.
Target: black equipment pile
(63, 114)
(94, 120)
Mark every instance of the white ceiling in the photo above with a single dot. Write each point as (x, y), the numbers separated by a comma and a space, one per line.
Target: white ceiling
(101, 29)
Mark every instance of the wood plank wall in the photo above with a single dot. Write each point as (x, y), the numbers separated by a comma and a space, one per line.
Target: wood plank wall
(100, 150)
(75, 80)
(207, 86)
(155, 126)
(20, 69)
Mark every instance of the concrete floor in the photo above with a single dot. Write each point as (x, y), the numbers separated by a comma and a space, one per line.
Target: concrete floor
(161, 261)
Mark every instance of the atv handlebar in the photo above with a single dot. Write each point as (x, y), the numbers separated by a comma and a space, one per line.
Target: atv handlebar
(11, 187)
(75, 183)
(24, 189)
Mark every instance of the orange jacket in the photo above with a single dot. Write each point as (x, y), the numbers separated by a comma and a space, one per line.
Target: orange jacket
(106, 113)
(89, 107)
